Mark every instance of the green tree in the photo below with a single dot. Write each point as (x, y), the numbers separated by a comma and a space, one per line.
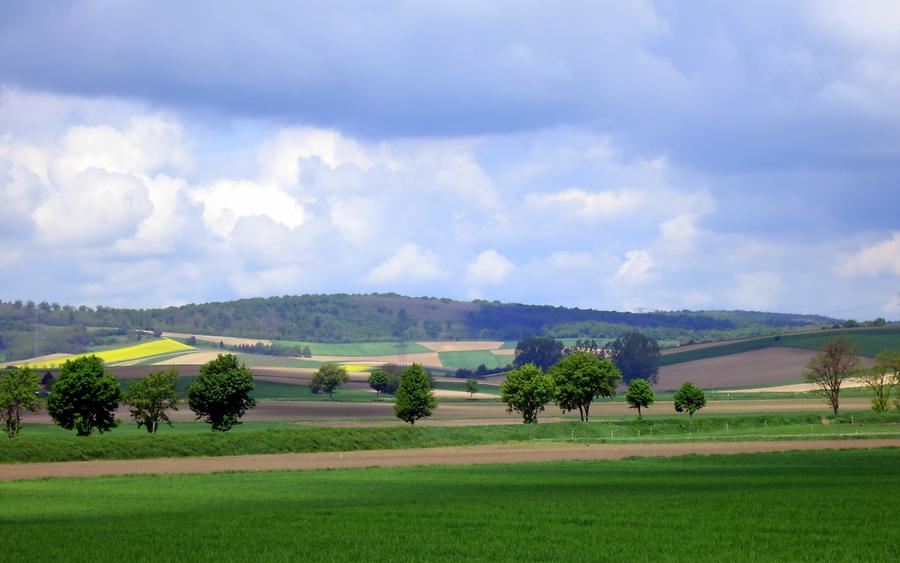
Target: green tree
(639, 395)
(472, 387)
(689, 398)
(539, 351)
(378, 380)
(85, 397)
(18, 395)
(307, 353)
(328, 378)
(149, 398)
(526, 390)
(415, 399)
(882, 378)
(828, 369)
(637, 357)
(221, 393)
(579, 378)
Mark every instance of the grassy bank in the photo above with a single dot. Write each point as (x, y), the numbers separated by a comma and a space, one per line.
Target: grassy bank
(759, 507)
(194, 439)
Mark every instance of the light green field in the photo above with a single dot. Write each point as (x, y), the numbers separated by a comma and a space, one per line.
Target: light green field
(354, 348)
(795, 506)
(472, 359)
(44, 442)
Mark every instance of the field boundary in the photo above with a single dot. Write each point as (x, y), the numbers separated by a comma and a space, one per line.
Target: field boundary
(489, 454)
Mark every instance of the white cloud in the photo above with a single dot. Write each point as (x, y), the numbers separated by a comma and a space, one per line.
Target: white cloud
(146, 145)
(409, 265)
(489, 268)
(878, 259)
(226, 201)
(591, 205)
(356, 218)
(757, 291)
(280, 156)
(95, 207)
(636, 269)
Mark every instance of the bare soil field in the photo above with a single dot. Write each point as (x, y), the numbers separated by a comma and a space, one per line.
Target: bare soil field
(799, 387)
(526, 453)
(461, 346)
(759, 367)
(228, 340)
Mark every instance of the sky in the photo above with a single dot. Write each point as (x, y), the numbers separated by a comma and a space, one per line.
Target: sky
(635, 155)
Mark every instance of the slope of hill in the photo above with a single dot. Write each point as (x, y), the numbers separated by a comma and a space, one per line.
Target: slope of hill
(374, 317)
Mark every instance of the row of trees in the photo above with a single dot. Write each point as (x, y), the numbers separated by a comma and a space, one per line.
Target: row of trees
(575, 381)
(86, 396)
(838, 360)
(635, 356)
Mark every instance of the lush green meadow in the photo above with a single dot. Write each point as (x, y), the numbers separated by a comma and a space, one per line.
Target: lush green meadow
(796, 506)
(868, 341)
(50, 443)
(471, 359)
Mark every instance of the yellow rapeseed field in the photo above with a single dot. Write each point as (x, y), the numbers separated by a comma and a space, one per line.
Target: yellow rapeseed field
(134, 352)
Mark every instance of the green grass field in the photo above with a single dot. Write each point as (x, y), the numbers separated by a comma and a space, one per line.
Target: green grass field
(795, 506)
(472, 359)
(868, 342)
(44, 442)
(354, 348)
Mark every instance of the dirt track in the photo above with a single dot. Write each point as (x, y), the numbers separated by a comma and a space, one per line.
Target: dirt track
(427, 456)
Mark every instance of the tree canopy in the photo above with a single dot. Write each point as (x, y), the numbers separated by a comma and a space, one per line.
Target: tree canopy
(221, 393)
(637, 357)
(85, 396)
(378, 380)
(579, 378)
(828, 369)
(18, 395)
(527, 390)
(882, 378)
(689, 398)
(149, 398)
(540, 351)
(639, 395)
(328, 378)
(415, 399)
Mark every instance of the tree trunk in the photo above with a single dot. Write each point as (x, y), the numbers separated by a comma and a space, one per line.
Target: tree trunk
(587, 411)
(639, 411)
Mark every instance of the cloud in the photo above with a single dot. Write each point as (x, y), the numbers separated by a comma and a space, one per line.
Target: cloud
(591, 205)
(882, 258)
(226, 201)
(95, 207)
(410, 265)
(488, 268)
(636, 269)
(756, 291)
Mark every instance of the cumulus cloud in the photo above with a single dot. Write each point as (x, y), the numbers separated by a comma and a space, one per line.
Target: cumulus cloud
(591, 205)
(489, 268)
(226, 201)
(94, 207)
(882, 258)
(636, 268)
(409, 265)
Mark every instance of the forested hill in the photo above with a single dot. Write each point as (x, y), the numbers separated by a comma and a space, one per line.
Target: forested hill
(349, 318)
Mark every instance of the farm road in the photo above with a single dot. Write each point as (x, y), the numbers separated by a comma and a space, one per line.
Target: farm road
(500, 453)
